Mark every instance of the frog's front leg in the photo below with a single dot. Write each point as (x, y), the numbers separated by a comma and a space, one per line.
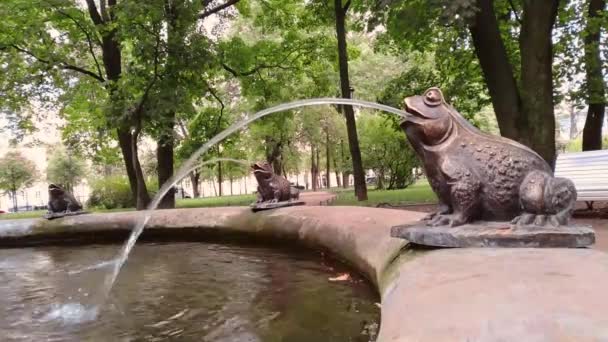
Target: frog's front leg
(464, 195)
(276, 195)
(443, 209)
(260, 198)
(443, 195)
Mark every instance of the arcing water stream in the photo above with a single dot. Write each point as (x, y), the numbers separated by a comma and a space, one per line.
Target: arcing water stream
(193, 163)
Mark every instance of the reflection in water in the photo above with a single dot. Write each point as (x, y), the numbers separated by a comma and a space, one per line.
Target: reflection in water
(183, 291)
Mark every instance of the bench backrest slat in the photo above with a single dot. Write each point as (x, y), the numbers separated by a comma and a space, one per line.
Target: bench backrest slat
(588, 171)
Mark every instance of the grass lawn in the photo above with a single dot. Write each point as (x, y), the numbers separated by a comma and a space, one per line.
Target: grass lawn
(224, 201)
(420, 192)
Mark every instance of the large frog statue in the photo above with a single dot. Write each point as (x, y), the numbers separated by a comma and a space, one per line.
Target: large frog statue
(62, 201)
(479, 176)
(272, 188)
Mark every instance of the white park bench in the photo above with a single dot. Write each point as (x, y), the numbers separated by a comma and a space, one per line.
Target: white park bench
(589, 172)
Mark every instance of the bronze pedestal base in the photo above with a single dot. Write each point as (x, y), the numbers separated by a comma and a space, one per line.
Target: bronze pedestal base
(496, 234)
(267, 205)
(52, 216)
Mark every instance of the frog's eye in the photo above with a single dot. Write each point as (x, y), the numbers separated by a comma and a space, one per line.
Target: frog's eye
(433, 97)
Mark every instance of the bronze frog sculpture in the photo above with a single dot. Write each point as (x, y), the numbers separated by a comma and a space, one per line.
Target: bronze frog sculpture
(482, 177)
(61, 201)
(272, 188)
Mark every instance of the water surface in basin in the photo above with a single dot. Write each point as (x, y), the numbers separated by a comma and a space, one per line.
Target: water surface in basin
(183, 292)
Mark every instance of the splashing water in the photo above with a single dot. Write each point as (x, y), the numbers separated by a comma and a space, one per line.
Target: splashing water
(192, 163)
(215, 160)
(71, 313)
(93, 267)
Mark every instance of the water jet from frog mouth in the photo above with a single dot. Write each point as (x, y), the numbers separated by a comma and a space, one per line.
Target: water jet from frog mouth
(192, 163)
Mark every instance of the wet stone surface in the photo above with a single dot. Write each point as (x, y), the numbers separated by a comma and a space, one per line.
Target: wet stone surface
(496, 234)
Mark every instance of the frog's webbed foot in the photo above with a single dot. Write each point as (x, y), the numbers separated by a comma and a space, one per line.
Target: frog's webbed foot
(448, 220)
(443, 210)
(555, 220)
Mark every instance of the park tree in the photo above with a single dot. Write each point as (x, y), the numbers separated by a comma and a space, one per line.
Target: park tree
(122, 53)
(66, 169)
(341, 10)
(16, 172)
(595, 83)
(513, 49)
(278, 53)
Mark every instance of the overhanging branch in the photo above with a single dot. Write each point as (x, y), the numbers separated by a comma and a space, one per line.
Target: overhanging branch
(94, 13)
(346, 6)
(87, 35)
(62, 65)
(216, 9)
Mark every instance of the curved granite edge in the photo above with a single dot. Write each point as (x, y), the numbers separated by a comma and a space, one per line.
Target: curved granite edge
(473, 294)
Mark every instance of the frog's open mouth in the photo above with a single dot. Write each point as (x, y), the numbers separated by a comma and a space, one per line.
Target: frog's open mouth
(55, 189)
(257, 168)
(413, 114)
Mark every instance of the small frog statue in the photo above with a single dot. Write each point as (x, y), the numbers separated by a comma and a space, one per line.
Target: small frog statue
(61, 202)
(477, 176)
(272, 188)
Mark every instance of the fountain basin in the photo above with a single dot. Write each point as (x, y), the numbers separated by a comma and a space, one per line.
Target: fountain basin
(430, 295)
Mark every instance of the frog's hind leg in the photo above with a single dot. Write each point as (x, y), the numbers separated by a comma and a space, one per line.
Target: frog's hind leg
(545, 200)
(560, 199)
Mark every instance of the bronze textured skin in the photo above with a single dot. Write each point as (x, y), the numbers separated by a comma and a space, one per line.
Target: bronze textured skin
(62, 201)
(272, 188)
(479, 176)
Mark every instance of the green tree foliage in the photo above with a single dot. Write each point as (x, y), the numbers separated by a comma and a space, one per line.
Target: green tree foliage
(385, 151)
(111, 193)
(16, 172)
(66, 169)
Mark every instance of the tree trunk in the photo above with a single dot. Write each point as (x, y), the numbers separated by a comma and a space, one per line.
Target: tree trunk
(317, 165)
(164, 156)
(220, 177)
(596, 88)
(313, 169)
(496, 68)
(273, 155)
(112, 62)
(133, 167)
(143, 197)
(338, 183)
(327, 159)
(537, 122)
(524, 114)
(345, 180)
(230, 185)
(351, 127)
(15, 206)
(380, 180)
(573, 122)
(194, 180)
